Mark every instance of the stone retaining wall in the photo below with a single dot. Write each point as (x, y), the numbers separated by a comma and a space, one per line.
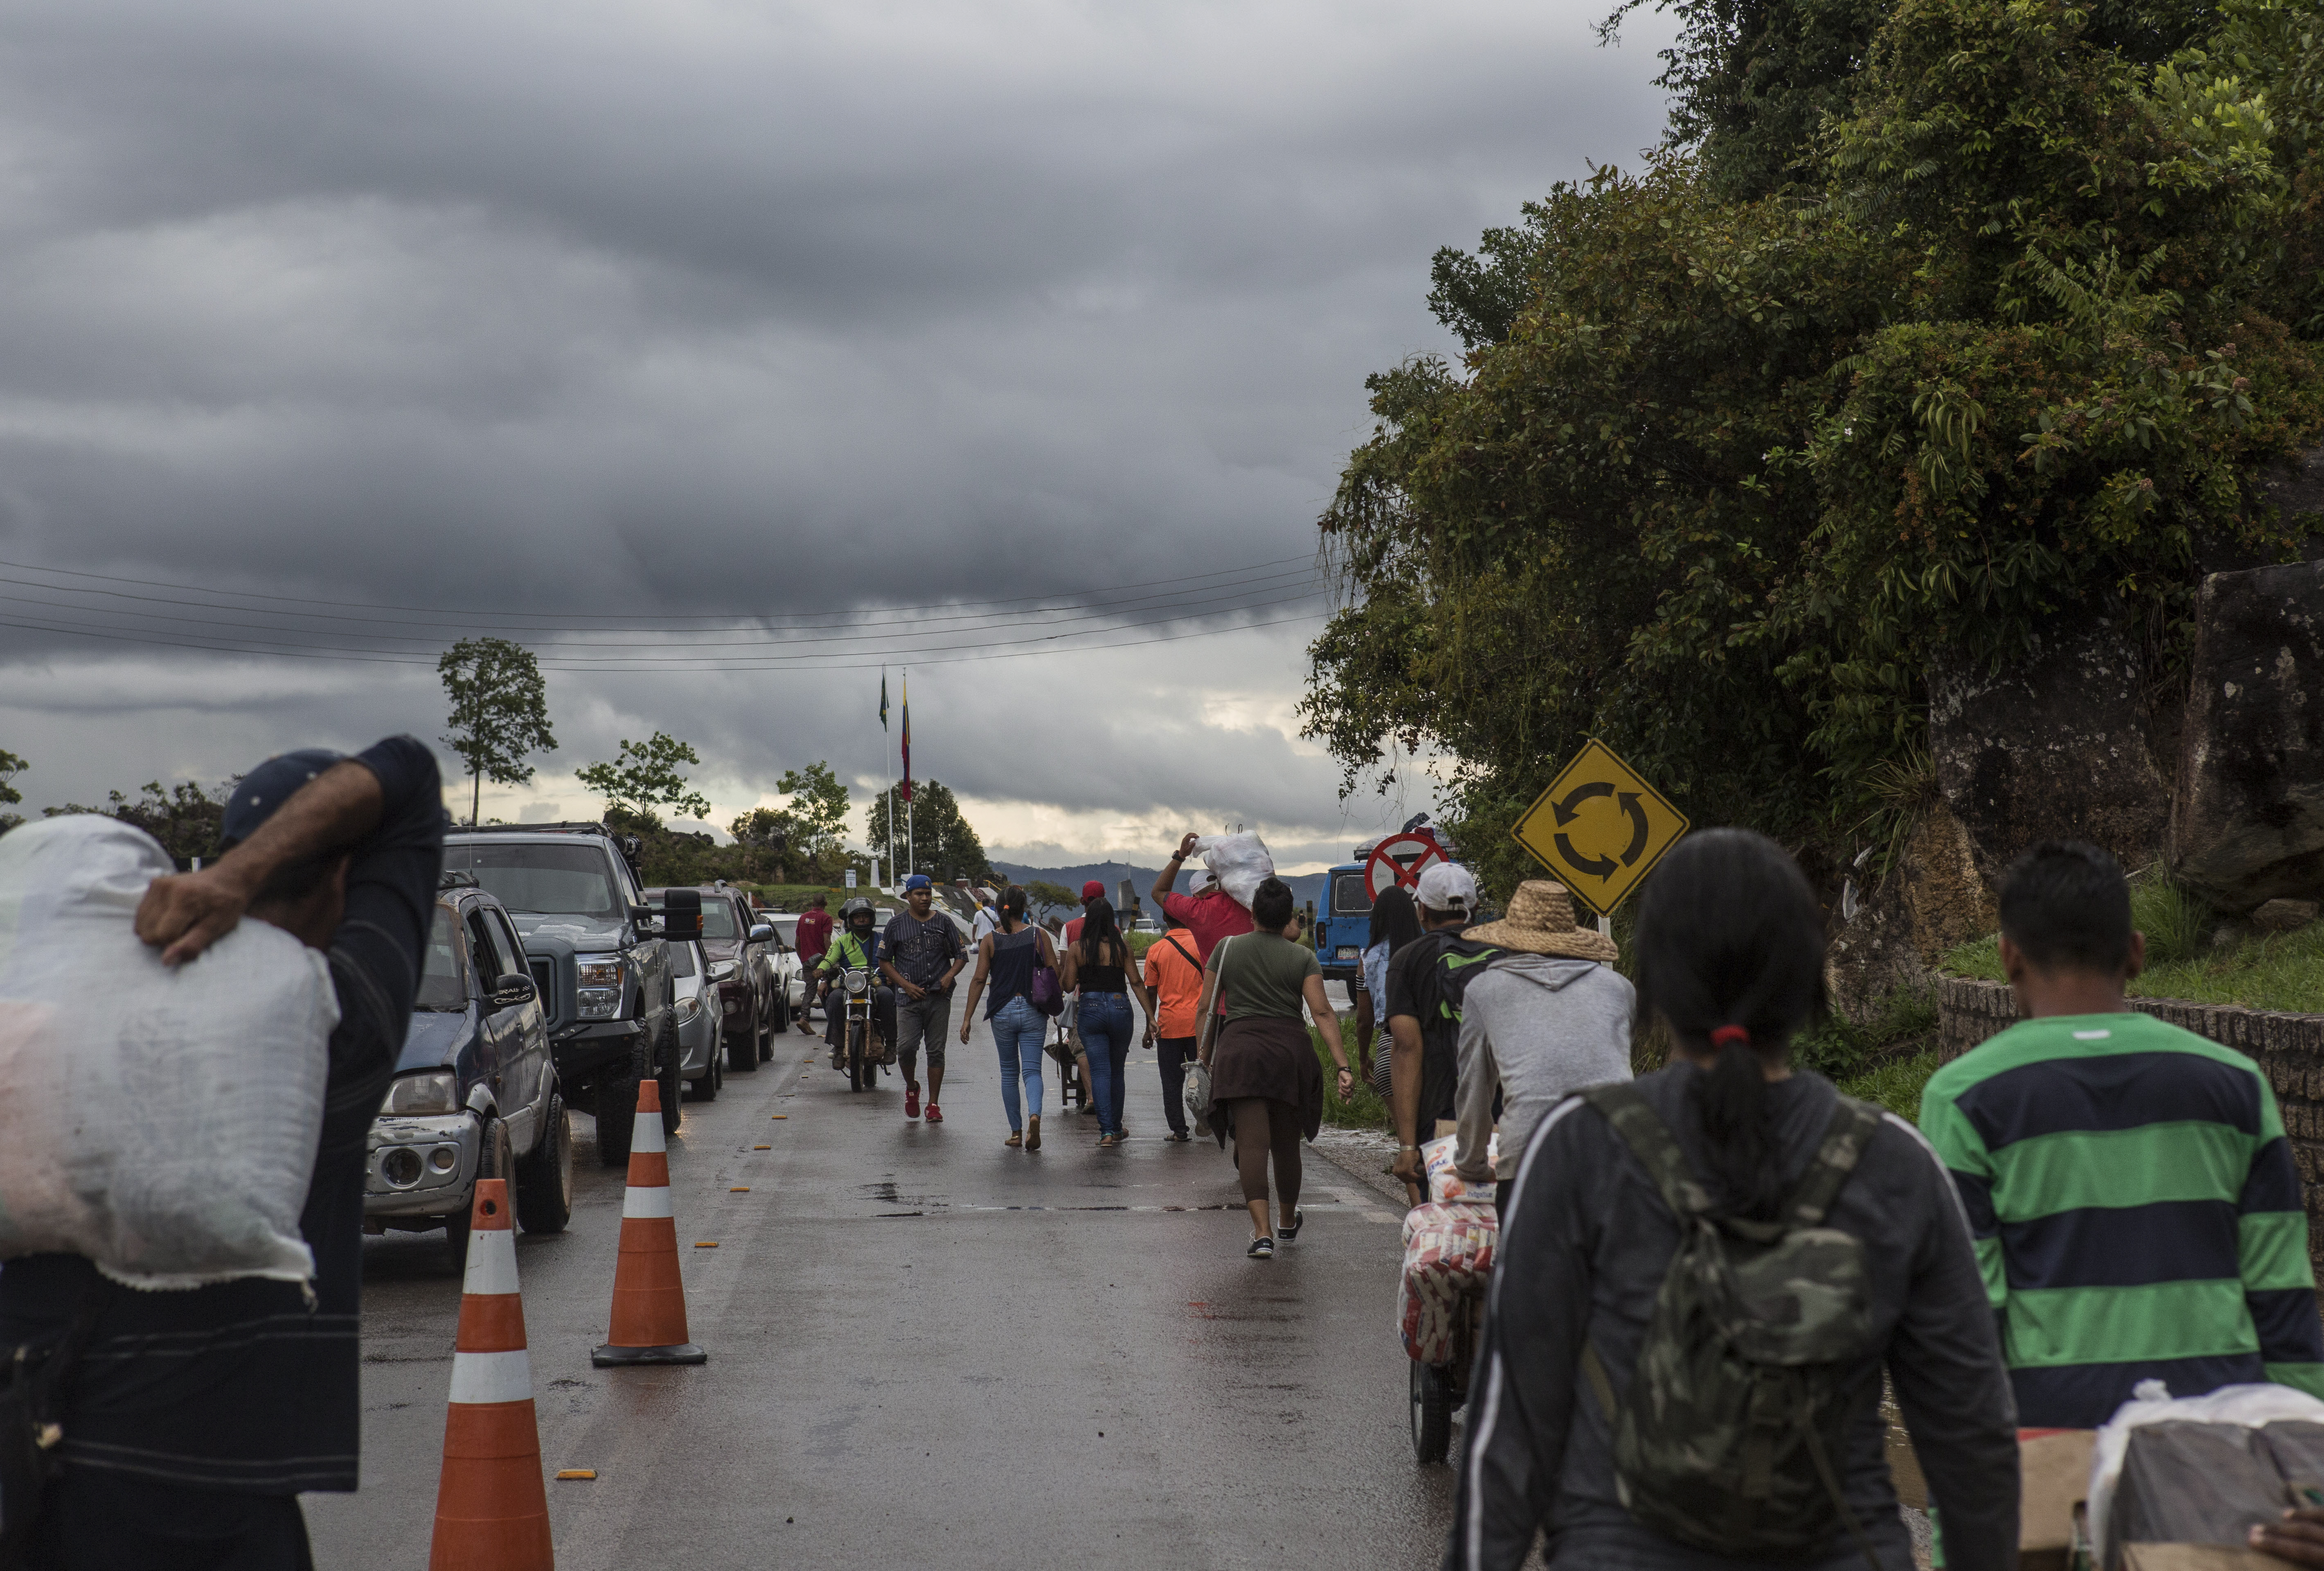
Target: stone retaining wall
(2288, 1048)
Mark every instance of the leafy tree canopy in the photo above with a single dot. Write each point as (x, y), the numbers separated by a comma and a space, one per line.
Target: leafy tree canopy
(1045, 897)
(644, 776)
(817, 813)
(500, 711)
(186, 818)
(11, 765)
(944, 845)
(1720, 475)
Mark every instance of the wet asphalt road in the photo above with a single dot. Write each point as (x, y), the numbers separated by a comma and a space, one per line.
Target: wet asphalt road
(924, 1344)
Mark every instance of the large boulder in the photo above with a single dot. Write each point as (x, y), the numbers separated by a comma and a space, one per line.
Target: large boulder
(2054, 747)
(2248, 825)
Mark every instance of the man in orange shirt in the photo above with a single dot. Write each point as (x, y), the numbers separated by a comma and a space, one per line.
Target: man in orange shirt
(1177, 977)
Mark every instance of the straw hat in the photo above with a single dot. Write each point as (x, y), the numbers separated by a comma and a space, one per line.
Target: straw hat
(1540, 921)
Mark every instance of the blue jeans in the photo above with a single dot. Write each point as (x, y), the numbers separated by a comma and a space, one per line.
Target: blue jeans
(1017, 1031)
(1107, 1022)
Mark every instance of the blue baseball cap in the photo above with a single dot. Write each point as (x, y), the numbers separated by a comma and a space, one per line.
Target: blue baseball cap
(258, 794)
(918, 881)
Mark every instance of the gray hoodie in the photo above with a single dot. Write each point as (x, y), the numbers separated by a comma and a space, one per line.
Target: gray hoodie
(1539, 1027)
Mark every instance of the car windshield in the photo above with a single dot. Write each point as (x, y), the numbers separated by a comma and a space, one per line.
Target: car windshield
(534, 879)
(442, 985)
(718, 919)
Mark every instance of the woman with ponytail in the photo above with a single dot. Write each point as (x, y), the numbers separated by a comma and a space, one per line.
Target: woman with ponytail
(1731, 951)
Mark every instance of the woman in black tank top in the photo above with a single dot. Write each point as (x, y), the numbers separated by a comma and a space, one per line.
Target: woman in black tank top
(1099, 963)
(1005, 961)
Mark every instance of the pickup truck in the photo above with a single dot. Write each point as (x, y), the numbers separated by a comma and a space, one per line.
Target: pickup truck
(597, 956)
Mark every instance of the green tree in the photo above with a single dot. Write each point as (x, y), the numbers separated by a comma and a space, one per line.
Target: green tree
(1045, 896)
(186, 819)
(943, 843)
(500, 712)
(11, 765)
(818, 810)
(644, 776)
(1718, 479)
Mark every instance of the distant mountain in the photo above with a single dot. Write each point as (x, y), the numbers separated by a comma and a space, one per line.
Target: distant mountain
(1112, 874)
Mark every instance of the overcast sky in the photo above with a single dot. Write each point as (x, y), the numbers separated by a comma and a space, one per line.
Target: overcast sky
(541, 317)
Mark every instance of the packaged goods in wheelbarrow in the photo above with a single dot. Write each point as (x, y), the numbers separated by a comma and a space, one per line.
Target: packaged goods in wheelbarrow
(1448, 1257)
(160, 1122)
(1444, 1182)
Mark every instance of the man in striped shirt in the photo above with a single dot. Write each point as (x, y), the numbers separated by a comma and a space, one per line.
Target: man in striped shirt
(2134, 1204)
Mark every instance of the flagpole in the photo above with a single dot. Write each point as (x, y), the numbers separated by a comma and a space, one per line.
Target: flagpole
(911, 851)
(892, 880)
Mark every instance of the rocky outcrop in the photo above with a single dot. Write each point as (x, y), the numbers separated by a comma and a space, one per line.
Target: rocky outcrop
(1893, 937)
(2055, 747)
(2248, 822)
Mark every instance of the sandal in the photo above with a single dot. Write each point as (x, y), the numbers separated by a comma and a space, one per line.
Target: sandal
(1178, 1138)
(1015, 1138)
(1109, 1140)
(1261, 1249)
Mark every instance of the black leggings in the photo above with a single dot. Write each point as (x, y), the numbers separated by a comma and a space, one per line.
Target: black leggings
(1262, 1125)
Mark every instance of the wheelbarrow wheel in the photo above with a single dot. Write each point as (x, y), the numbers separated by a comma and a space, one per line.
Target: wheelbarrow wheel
(1432, 1412)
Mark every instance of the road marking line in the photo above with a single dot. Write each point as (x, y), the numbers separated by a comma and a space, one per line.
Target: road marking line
(706, 1246)
(739, 1190)
(582, 1474)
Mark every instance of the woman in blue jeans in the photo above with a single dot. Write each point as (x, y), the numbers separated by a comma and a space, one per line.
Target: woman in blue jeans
(1099, 963)
(1006, 960)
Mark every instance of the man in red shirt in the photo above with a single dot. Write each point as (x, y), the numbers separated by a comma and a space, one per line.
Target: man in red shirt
(811, 938)
(1092, 890)
(1209, 917)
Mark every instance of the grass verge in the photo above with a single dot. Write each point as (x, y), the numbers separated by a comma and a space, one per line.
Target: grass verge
(1365, 1110)
(2259, 970)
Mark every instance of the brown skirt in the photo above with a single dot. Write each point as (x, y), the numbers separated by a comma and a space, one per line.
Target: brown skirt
(1272, 1057)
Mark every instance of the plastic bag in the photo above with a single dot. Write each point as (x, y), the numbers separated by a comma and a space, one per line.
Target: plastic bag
(1446, 1184)
(1241, 862)
(160, 1122)
(2249, 1406)
(1448, 1258)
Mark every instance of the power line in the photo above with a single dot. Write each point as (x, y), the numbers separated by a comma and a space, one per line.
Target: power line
(471, 616)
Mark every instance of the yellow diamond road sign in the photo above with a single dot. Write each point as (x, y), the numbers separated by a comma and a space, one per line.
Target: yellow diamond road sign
(1599, 828)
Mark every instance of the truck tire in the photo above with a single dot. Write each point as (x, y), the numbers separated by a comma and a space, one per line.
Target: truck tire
(743, 1054)
(617, 1115)
(491, 1162)
(544, 1177)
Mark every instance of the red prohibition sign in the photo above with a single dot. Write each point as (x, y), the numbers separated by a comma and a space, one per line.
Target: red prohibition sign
(1400, 859)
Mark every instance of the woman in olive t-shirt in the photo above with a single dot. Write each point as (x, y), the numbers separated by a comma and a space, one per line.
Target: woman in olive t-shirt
(1266, 1086)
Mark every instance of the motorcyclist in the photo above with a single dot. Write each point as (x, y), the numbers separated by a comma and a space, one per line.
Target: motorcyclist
(859, 945)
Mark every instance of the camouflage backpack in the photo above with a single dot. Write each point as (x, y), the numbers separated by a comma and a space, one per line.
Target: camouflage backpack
(1732, 1434)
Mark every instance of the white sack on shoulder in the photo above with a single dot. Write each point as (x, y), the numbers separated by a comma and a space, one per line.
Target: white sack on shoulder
(2254, 1406)
(1241, 862)
(160, 1122)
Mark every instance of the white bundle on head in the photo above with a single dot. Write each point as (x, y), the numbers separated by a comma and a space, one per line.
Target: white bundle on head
(1240, 863)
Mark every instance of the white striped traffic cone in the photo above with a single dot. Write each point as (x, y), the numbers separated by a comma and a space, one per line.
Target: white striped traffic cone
(491, 1510)
(649, 1325)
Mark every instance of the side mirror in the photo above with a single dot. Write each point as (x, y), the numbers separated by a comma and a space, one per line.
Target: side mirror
(512, 989)
(762, 931)
(681, 914)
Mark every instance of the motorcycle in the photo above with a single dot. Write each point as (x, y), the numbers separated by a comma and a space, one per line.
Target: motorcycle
(862, 1046)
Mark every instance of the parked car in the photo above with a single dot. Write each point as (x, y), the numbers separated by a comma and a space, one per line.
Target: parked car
(696, 996)
(749, 1004)
(475, 1092)
(602, 969)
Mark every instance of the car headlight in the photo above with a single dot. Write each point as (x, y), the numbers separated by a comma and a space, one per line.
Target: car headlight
(722, 970)
(688, 1008)
(597, 987)
(415, 1095)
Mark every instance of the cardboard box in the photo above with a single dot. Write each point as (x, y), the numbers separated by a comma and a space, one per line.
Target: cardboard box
(2055, 1468)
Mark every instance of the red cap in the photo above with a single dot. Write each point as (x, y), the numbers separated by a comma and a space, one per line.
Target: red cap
(1094, 890)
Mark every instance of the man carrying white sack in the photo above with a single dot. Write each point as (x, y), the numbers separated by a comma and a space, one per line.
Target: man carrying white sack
(192, 1419)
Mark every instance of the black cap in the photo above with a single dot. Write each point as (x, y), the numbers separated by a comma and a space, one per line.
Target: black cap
(269, 786)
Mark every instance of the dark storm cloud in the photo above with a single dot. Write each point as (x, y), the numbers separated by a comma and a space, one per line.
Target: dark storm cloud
(725, 308)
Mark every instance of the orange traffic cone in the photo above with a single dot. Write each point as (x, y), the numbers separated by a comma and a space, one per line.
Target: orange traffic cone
(492, 1513)
(649, 1299)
